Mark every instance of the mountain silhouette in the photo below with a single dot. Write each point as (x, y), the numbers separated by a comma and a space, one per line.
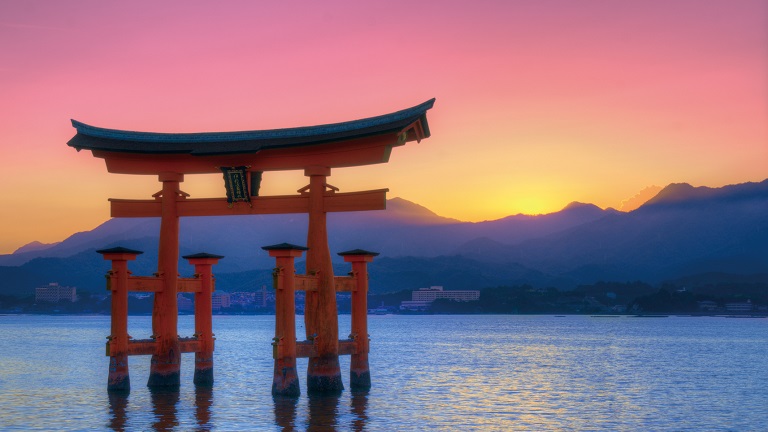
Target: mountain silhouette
(683, 231)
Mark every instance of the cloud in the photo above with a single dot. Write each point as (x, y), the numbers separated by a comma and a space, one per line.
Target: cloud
(641, 198)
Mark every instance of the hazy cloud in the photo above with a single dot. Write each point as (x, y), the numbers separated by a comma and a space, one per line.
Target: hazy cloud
(641, 198)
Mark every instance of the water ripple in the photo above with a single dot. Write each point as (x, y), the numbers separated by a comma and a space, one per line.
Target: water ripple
(429, 373)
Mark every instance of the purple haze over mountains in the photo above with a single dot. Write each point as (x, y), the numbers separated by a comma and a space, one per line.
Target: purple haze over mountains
(682, 231)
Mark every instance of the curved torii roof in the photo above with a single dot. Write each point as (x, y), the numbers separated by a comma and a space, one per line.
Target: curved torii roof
(351, 143)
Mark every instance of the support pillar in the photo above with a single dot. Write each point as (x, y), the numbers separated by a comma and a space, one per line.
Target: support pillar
(117, 345)
(285, 380)
(166, 360)
(203, 263)
(320, 312)
(359, 371)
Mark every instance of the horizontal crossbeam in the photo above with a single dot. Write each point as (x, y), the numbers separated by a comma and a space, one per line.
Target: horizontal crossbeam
(147, 346)
(305, 283)
(278, 204)
(345, 283)
(309, 283)
(306, 349)
(155, 284)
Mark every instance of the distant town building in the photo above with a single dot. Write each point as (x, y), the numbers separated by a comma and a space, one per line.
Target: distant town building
(242, 298)
(54, 293)
(423, 297)
(707, 305)
(415, 305)
(739, 306)
(185, 303)
(436, 292)
(220, 300)
(261, 297)
(256, 299)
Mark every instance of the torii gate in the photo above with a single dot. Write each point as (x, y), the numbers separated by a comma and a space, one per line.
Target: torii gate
(243, 156)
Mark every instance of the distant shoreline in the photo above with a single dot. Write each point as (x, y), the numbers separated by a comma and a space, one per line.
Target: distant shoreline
(591, 315)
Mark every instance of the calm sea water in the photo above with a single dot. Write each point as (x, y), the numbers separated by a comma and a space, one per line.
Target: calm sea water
(429, 373)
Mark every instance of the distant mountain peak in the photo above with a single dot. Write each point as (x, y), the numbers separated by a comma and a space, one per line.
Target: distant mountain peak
(403, 209)
(679, 193)
(676, 192)
(35, 246)
(580, 205)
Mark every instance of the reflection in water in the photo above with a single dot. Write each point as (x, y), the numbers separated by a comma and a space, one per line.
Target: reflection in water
(118, 402)
(164, 402)
(203, 401)
(570, 373)
(323, 412)
(359, 404)
(164, 409)
(285, 412)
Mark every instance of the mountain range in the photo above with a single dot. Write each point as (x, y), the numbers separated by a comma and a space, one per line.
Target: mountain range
(682, 231)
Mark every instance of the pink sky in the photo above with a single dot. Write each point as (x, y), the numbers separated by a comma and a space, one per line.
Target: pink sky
(539, 103)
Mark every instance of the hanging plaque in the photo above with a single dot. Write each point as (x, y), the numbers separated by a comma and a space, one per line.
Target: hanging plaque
(236, 183)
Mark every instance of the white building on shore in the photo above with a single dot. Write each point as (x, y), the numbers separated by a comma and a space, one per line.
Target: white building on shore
(54, 293)
(422, 298)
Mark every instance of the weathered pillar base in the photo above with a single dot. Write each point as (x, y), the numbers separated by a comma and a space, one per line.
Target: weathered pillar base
(118, 379)
(359, 373)
(164, 370)
(324, 375)
(203, 370)
(285, 381)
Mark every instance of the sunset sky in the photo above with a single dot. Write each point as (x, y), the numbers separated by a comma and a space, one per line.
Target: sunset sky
(539, 102)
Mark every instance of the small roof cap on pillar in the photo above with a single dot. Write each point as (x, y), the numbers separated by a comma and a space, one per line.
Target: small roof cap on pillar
(284, 246)
(202, 255)
(119, 250)
(358, 252)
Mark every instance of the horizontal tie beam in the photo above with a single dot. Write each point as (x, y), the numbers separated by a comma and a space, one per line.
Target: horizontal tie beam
(278, 204)
(310, 282)
(155, 284)
(306, 349)
(147, 346)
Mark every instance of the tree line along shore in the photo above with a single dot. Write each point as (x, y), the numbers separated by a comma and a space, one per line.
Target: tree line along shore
(599, 298)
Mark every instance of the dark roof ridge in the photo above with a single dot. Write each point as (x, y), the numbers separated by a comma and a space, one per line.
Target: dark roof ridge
(219, 137)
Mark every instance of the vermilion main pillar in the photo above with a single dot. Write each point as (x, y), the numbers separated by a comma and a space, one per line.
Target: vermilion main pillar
(166, 360)
(320, 312)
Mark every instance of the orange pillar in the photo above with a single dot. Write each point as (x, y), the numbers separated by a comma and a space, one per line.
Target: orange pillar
(320, 313)
(165, 364)
(285, 380)
(117, 346)
(359, 372)
(203, 263)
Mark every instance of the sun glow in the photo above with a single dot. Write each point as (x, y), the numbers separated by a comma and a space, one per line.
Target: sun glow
(532, 205)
